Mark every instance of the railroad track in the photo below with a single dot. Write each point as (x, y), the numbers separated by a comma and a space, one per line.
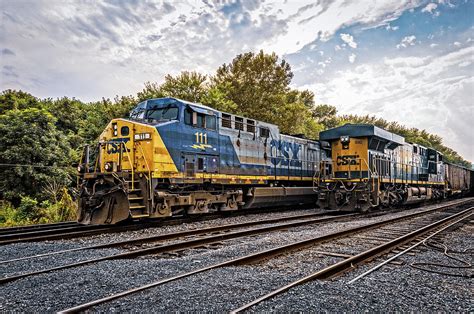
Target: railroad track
(12, 230)
(69, 230)
(205, 236)
(418, 235)
(421, 224)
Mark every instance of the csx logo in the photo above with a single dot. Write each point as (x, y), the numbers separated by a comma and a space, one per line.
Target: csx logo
(289, 153)
(113, 147)
(347, 160)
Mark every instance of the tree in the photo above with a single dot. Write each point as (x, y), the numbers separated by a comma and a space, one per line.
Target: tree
(32, 151)
(13, 99)
(190, 86)
(325, 115)
(151, 90)
(216, 97)
(98, 115)
(257, 84)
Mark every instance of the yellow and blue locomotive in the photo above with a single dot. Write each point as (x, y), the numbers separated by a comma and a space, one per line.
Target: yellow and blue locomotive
(370, 167)
(175, 157)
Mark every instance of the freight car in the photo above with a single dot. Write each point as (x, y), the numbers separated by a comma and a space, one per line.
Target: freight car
(370, 167)
(459, 180)
(175, 157)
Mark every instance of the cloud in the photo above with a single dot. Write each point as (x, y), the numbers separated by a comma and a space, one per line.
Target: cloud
(432, 92)
(6, 51)
(108, 48)
(407, 41)
(348, 39)
(325, 18)
(430, 7)
(393, 28)
(352, 58)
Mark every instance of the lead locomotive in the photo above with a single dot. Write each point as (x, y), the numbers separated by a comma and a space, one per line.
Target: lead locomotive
(173, 157)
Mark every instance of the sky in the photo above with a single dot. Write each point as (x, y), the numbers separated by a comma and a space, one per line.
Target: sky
(405, 61)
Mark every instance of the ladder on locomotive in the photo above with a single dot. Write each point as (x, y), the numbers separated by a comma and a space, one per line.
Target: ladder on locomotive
(138, 190)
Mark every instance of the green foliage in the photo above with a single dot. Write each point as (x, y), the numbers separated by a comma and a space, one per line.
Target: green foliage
(13, 99)
(189, 86)
(62, 210)
(8, 214)
(326, 115)
(216, 97)
(259, 86)
(30, 211)
(257, 83)
(151, 90)
(29, 137)
(98, 114)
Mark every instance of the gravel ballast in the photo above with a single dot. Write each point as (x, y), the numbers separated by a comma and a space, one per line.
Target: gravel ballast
(220, 289)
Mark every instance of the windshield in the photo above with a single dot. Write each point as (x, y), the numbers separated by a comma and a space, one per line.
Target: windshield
(162, 114)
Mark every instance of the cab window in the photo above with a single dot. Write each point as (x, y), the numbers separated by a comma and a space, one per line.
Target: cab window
(211, 122)
(188, 117)
(162, 114)
(199, 120)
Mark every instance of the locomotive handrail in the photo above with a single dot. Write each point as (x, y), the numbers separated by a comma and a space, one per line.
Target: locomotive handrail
(131, 166)
(149, 176)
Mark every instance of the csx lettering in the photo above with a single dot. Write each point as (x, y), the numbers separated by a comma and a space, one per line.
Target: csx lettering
(289, 153)
(347, 160)
(113, 147)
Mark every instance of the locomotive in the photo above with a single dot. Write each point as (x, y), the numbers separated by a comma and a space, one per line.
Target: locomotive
(173, 157)
(370, 167)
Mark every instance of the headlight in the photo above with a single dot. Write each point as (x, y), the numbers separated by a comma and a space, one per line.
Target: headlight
(79, 168)
(107, 167)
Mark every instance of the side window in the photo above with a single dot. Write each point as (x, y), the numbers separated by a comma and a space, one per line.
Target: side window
(201, 120)
(188, 117)
(239, 123)
(264, 132)
(251, 126)
(211, 122)
(226, 121)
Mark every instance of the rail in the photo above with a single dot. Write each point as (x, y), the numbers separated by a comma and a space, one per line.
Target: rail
(254, 257)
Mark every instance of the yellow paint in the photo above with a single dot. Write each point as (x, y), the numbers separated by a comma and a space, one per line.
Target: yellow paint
(201, 146)
(355, 158)
(147, 155)
(382, 180)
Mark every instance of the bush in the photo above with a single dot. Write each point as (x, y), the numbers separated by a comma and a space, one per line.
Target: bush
(63, 210)
(31, 212)
(28, 210)
(7, 214)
